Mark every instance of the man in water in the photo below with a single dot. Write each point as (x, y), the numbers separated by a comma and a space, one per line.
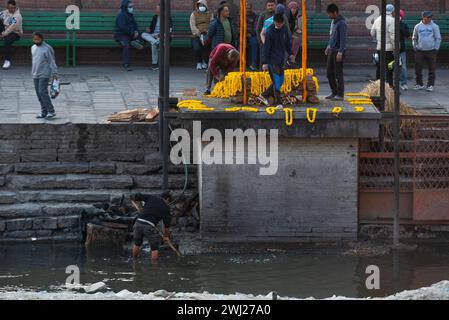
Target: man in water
(155, 209)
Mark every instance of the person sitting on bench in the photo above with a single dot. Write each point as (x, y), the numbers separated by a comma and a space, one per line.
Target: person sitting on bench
(10, 29)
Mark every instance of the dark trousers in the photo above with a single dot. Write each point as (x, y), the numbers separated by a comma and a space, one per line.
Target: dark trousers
(277, 78)
(389, 57)
(41, 87)
(201, 52)
(335, 74)
(211, 78)
(125, 42)
(8, 42)
(430, 58)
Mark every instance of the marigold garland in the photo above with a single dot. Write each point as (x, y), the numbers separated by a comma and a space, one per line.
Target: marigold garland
(311, 117)
(260, 81)
(288, 117)
(359, 109)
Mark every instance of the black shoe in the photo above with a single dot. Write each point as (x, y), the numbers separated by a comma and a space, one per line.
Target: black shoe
(41, 116)
(332, 96)
(50, 115)
(154, 67)
(127, 68)
(338, 98)
(207, 92)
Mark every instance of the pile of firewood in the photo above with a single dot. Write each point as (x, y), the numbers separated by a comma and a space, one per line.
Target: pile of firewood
(135, 115)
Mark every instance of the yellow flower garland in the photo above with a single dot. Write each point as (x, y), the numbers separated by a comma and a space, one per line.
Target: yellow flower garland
(271, 110)
(195, 105)
(358, 95)
(337, 110)
(288, 117)
(359, 109)
(260, 81)
(311, 118)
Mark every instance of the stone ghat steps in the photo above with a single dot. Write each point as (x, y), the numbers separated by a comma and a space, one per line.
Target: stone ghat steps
(10, 197)
(91, 181)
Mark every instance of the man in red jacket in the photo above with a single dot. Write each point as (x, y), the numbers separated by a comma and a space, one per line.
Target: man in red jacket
(223, 59)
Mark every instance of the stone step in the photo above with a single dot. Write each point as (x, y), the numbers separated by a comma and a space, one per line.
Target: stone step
(75, 196)
(91, 182)
(32, 210)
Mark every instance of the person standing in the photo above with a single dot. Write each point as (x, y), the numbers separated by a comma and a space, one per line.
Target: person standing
(405, 35)
(126, 31)
(10, 29)
(221, 29)
(200, 19)
(43, 69)
(251, 22)
(296, 27)
(426, 43)
(376, 32)
(155, 210)
(152, 36)
(276, 49)
(270, 8)
(335, 52)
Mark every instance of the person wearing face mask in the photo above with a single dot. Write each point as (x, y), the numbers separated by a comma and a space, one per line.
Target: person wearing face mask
(126, 31)
(10, 29)
(200, 19)
(276, 49)
(43, 69)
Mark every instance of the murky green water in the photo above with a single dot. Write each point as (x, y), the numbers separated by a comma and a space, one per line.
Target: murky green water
(311, 272)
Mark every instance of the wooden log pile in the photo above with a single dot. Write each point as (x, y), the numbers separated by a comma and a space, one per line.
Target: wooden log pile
(135, 115)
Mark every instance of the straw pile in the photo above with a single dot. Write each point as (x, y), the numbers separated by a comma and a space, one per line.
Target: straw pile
(373, 89)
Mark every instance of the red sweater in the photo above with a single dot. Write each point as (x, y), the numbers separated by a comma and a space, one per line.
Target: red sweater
(219, 58)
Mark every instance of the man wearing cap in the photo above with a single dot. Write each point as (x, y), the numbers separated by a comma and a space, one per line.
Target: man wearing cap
(426, 43)
(376, 32)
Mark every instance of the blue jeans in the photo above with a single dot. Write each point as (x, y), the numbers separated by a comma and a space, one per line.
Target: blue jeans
(124, 41)
(403, 78)
(254, 47)
(41, 87)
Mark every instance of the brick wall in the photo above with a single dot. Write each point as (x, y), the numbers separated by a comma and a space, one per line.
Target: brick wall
(186, 5)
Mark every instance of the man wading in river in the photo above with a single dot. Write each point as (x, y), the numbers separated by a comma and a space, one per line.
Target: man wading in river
(154, 210)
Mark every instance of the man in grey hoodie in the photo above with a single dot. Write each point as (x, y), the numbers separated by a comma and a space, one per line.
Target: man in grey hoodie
(426, 43)
(44, 68)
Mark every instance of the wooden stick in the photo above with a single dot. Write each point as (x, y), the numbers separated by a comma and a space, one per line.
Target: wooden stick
(170, 244)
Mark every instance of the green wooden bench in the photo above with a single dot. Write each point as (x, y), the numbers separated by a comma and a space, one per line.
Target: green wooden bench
(97, 30)
(51, 24)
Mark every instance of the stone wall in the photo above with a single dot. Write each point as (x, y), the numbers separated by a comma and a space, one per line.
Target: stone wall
(50, 174)
(313, 197)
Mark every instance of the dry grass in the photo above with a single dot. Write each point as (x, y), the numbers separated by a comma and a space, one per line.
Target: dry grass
(373, 89)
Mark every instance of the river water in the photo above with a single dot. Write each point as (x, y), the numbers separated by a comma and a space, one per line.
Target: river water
(311, 272)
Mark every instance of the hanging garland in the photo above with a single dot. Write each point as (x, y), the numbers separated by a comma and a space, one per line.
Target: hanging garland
(288, 117)
(311, 114)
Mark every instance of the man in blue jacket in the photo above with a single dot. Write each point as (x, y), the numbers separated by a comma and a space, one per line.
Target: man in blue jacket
(126, 31)
(275, 51)
(335, 53)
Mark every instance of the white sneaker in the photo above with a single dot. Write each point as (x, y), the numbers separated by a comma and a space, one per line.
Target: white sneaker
(280, 107)
(204, 65)
(429, 89)
(199, 66)
(7, 64)
(418, 87)
(404, 87)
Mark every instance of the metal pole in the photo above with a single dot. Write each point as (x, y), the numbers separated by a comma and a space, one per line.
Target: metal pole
(397, 123)
(382, 67)
(166, 138)
(161, 77)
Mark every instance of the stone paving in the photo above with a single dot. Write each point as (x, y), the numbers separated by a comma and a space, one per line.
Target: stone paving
(90, 94)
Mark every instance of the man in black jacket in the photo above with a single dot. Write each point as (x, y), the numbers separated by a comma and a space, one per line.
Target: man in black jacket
(126, 31)
(276, 48)
(221, 29)
(152, 36)
(155, 210)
